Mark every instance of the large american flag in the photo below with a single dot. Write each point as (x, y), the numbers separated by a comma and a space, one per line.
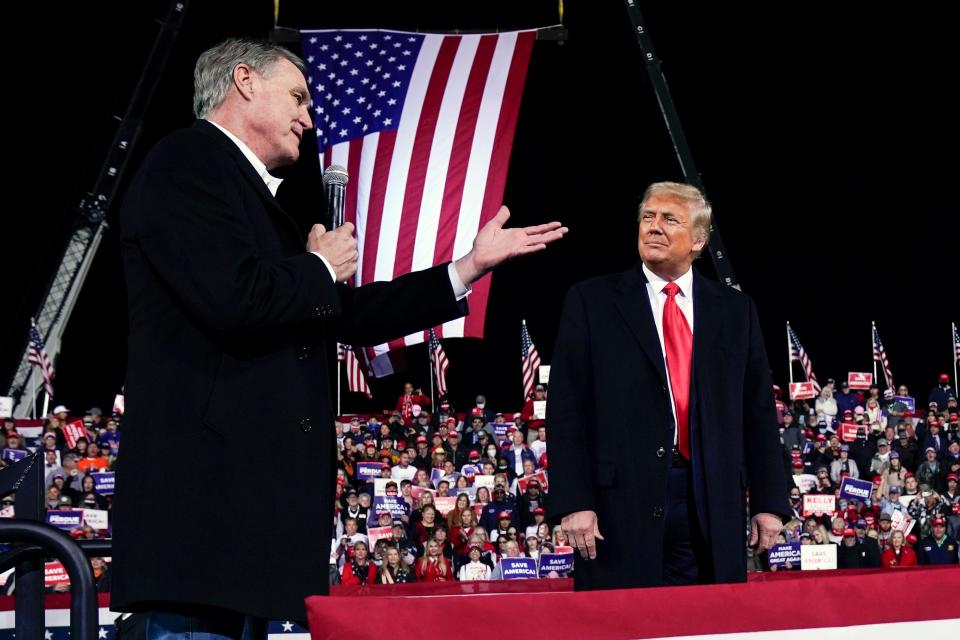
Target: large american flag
(530, 361)
(440, 363)
(356, 380)
(798, 354)
(880, 355)
(37, 355)
(424, 125)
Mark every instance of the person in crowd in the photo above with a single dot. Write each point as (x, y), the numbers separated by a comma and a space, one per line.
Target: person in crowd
(358, 569)
(394, 569)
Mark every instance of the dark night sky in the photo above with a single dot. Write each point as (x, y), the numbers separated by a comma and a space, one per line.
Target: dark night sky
(822, 136)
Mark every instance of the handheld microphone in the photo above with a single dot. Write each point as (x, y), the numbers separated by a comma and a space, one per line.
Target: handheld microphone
(334, 184)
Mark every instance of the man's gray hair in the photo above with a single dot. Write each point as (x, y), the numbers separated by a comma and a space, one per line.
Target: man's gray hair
(213, 74)
(700, 209)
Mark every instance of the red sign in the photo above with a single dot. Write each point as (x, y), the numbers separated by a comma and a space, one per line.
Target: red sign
(375, 534)
(73, 431)
(859, 380)
(54, 573)
(539, 476)
(802, 391)
(445, 504)
(848, 431)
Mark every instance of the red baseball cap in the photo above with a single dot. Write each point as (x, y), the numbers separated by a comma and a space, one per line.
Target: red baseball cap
(847, 533)
(503, 515)
(938, 522)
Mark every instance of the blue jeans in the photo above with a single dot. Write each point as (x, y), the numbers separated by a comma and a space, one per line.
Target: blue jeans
(225, 625)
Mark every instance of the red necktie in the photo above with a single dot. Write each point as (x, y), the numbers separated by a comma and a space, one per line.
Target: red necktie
(678, 345)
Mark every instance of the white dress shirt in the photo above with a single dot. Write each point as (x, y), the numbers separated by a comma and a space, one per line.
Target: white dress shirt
(658, 298)
(460, 290)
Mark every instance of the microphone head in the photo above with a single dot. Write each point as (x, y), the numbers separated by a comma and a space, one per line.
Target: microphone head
(334, 174)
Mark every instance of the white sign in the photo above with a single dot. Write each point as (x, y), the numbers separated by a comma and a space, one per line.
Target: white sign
(7, 512)
(819, 504)
(96, 518)
(483, 481)
(540, 409)
(906, 500)
(900, 521)
(805, 482)
(544, 374)
(816, 557)
(6, 407)
(118, 404)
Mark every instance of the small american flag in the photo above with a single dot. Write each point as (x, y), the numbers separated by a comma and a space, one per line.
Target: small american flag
(73, 431)
(37, 355)
(956, 343)
(440, 363)
(424, 125)
(797, 354)
(880, 355)
(530, 360)
(356, 380)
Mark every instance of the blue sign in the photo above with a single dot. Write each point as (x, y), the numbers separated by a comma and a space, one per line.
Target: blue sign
(910, 403)
(500, 430)
(436, 475)
(103, 482)
(807, 447)
(471, 469)
(518, 568)
(560, 562)
(780, 554)
(15, 455)
(856, 490)
(367, 471)
(65, 519)
(394, 505)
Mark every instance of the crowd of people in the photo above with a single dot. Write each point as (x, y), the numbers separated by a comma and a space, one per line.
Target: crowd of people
(429, 494)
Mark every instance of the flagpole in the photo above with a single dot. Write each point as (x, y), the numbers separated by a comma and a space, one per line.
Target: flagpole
(953, 354)
(339, 391)
(33, 397)
(873, 348)
(433, 401)
(46, 404)
(789, 353)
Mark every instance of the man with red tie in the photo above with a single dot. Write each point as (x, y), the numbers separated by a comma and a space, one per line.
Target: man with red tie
(661, 416)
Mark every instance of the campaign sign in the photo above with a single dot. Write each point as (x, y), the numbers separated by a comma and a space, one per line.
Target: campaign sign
(54, 573)
(780, 554)
(518, 568)
(96, 518)
(103, 482)
(8, 512)
(901, 521)
(470, 492)
(856, 490)
(814, 557)
(367, 471)
(859, 380)
(445, 504)
(540, 409)
(118, 404)
(14, 455)
(560, 562)
(500, 430)
(375, 534)
(478, 510)
(6, 407)
(471, 470)
(436, 475)
(395, 506)
(909, 402)
(848, 431)
(805, 482)
(451, 478)
(802, 391)
(539, 476)
(818, 505)
(544, 374)
(65, 519)
(416, 492)
(483, 481)
(907, 499)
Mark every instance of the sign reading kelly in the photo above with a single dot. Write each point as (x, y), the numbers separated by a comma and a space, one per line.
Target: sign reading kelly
(819, 504)
(65, 519)
(367, 471)
(853, 489)
(560, 562)
(859, 380)
(104, 482)
(802, 391)
(518, 568)
(781, 554)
